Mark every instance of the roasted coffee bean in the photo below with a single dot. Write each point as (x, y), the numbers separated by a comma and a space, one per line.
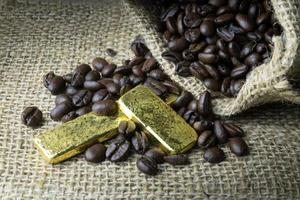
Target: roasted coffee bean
(207, 9)
(173, 57)
(217, 3)
(234, 49)
(70, 90)
(169, 12)
(262, 18)
(245, 22)
(171, 87)
(179, 24)
(244, 6)
(224, 57)
(140, 142)
(105, 107)
(212, 84)
(182, 100)
(192, 106)
(62, 98)
(100, 95)
(247, 49)
(125, 70)
(222, 45)
(136, 61)
(197, 47)
(32, 116)
(192, 35)
(253, 11)
(225, 34)
(223, 10)
(149, 65)
(92, 75)
(110, 52)
(180, 159)
(208, 58)
(182, 68)
(95, 153)
(147, 165)
(126, 128)
(192, 20)
(220, 132)
(139, 49)
(235, 62)
(68, 77)
(113, 88)
(83, 110)
(225, 86)
(233, 130)
(210, 49)
(125, 80)
(108, 70)
(78, 79)
(239, 72)
(171, 25)
(117, 78)
(125, 89)
(202, 125)
(261, 48)
(55, 84)
(224, 19)
(137, 71)
(234, 4)
(178, 44)
(207, 28)
(207, 139)
(188, 55)
(92, 85)
(236, 85)
(155, 154)
(118, 151)
(60, 110)
(83, 69)
(181, 111)
(189, 116)
(99, 64)
(213, 72)
(82, 98)
(214, 155)
(238, 146)
(223, 70)
(136, 80)
(253, 59)
(198, 70)
(157, 74)
(69, 116)
(204, 104)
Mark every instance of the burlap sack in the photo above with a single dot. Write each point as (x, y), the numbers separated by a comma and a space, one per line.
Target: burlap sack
(37, 36)
(269, 82)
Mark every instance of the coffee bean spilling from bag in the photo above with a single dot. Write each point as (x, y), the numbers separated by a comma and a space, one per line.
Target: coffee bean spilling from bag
(97, 88)
(218, 41)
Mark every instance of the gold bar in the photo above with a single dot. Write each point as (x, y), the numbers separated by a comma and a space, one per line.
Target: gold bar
(158, 119)
(71, 138)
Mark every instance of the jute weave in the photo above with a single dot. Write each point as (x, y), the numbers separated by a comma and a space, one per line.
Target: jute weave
(39, 36)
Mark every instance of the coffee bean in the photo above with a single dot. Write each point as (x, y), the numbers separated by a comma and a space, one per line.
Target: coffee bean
(253, 59)
(67, 77)
(180, 159)
(192, 35)
(247, 49)
(192, 106)
(204, 104)
(192, 20)
(225, 34)
(100, 95)
(225, 86)
(224, 19)
(62, 98)
(207, 9)
(140, 142)
(169, 12)
(178, 44)
(182, 68)
(214, 155)
(155, 154)
(210, 49)
(82, 98)
(126, 128)
(198, 70)
(236, 85)
(125, 89)
(172, 87)
(207, 139)
(222, 45)
(220, 132)
(212, 84)
(208, 58)
(207, 28)
(83, 69)
(149, 65)
(213, 72)
(233, 130)
(137, 61)
(32, 116)
(60, 110)
(202, 125)
(245, 22)
(157, 74)
(147, 165)
(92, 85)
(244, 6)
(136, 80)
(125, 70)
(55, 84)
(92, 75)
(238, 146)
(261, 48)
(118, 151)
(108, 70)
(171, 25)
(235, 62)
(234, 4)
(179, 24)
(78, 79)
(223, 70)
(239, 72)
(113, 88)
(139, 49)
(70, 90)
(110, 52)
(173, 57)
(83, 110)
(182, 100)
(253, 11)
(95, 153)
(263, 18)
(106, 107)
(99, 64)
(234, 49)
(69, 116)
(197, 47)
(217, 3)
(188, 55)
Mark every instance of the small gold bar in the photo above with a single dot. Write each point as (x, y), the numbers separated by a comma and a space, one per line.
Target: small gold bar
(71, 138)
(158, 119)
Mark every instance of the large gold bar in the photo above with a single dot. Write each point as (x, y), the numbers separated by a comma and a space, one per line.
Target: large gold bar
(71, 138)
(158, 119)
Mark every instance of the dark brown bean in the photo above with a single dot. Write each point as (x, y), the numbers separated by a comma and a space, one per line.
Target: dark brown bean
(198, 70)
(212, 84)
(245, 22)
(197, 47)
(207, 28)
(99, 64)
(83, 69)
(202, 125)
(182, 68)
(234, 49)
(118, 151)
(220, 132)
(62, 98)
(55, 84)
(82, 98)
(253, 59)
(224, 19)
(239, 72)
(157, 74)
(233, 130)
(83, 110)
(105, 107)
(172, 87)
(225, 34)
(173, 57)
(192, 35)
(113, 88)
(179, 24)
(192, 20)
(140, 142)
(225, 86)
(69, 116)
(182, 100)
(179, 44)
(108, 70)
(78, 79)
(60, 110)
(32, 116)
(110, 52)
(204, 104)
(212, 71)
(207, 139)
(100, 95)
(214, 155)
(238, 146)
(70, 90)
(95, 153)
(139, 48)
(125, 70)
(180, 159)
(155, 154)
(208, 58)
(217, 3)
(92, 75)
(210, 49)
(171, 25)
(223, 70)
(147, 165)
(92, 85)
(149, 65)
(126, 128)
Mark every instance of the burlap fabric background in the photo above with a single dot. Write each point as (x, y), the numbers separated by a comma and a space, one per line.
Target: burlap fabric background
(267, 83)
(39, 36)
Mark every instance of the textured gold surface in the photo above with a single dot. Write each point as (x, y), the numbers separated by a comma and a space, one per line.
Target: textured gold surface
(71, 138)
(158, 119)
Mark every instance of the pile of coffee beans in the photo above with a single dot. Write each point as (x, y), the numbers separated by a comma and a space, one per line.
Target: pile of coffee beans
(97, 88)
(218, 41)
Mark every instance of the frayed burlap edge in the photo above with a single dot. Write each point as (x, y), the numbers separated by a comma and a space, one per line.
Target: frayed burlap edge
(269, 82)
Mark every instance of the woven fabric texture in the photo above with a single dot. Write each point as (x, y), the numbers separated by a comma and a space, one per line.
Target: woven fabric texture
(39, 36)
(267, 83)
